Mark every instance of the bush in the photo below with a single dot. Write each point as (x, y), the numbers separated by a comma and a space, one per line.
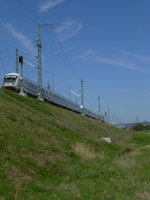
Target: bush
(138, 127)
(147, 126)
(126, 149)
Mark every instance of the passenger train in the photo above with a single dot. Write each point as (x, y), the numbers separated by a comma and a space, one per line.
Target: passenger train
(16, 82)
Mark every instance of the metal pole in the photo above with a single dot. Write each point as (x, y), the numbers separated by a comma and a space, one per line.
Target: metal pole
(99, 107)
(108, 114)
(21, 78)
(82, 98)
(39, 46)
(21, 64)
(17, 60)
(113, 118)
(137, 119)
(48, 86)
(21, 69)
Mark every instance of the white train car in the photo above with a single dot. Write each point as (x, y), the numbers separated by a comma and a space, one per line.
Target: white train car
(15, 82)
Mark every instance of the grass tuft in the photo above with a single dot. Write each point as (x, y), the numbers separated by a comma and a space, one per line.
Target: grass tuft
(85, 152)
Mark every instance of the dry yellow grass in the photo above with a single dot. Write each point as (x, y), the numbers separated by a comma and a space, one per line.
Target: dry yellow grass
(125, 162)
(146, 147)
(142, 196)
(64, 187)
(19, 175)
(86, 153)
(126, 159)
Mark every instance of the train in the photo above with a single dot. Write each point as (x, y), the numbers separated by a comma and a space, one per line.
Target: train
(19, 83)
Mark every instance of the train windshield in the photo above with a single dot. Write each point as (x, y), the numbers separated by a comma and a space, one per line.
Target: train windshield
(10, 79)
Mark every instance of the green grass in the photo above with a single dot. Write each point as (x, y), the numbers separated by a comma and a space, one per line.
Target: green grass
(49, 153)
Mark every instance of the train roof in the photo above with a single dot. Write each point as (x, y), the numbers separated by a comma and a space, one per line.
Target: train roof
(13, 74)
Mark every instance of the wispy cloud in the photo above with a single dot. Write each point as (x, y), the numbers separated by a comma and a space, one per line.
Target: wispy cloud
(137, 56)
(49, 4)
(68, 29)
(84, 54)
(67, 49)
(64, 50)
(25, 41)
(117, 62)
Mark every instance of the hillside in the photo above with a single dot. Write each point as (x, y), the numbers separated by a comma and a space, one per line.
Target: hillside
(49, 153)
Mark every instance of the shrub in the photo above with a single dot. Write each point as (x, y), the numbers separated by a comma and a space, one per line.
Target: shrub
(126, 149)
(138, 127)
(147, 126)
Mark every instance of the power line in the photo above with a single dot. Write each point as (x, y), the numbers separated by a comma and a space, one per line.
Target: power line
(53, 40)
(82, 97)
(17, 55)
(33, 19)
(67, 61)
(21, 11)
(2, 59)
(31, 12)
(5, 61)
(36, 21)
(64, 58)
(59, 50)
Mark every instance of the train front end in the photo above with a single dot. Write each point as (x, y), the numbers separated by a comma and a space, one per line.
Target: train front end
(10, 81)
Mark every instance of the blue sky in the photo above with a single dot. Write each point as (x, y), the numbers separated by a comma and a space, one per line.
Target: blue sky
(105, 42)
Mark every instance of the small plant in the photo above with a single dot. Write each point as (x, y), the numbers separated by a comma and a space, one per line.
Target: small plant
(138, 127)
(84, 151)
(127, 149)
(147, 126)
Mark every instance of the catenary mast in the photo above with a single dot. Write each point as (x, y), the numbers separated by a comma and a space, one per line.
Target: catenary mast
(82, 98)
(39, 46)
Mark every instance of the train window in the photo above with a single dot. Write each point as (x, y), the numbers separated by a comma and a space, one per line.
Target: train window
(10, 79)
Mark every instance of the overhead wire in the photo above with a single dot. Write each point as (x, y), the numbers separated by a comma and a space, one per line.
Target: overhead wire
(58, 46)
(55, 41)
(27, 17)
(67, 60)
(36, 16)
(2, 59)
(58, 50)
(19, 10)
(5, 53)
(31, 12)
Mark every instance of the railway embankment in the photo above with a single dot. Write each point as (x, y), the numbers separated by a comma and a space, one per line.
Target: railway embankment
(49, 153)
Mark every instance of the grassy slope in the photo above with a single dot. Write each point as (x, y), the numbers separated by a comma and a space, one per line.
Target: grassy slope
(49, 153)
